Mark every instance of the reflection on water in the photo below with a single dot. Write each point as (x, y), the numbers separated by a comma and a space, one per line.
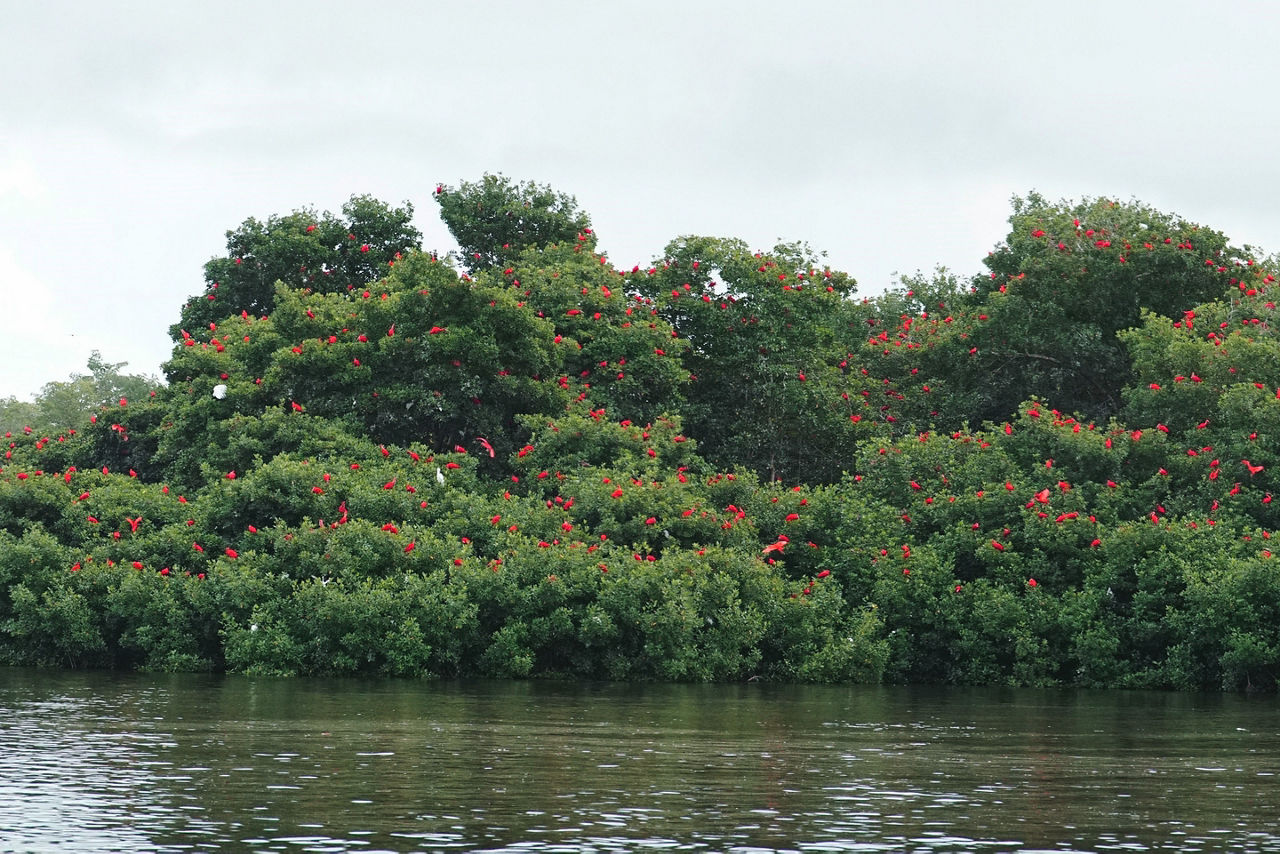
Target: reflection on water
(125, 762)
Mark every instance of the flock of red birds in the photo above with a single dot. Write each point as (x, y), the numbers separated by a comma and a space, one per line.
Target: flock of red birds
(912, 332)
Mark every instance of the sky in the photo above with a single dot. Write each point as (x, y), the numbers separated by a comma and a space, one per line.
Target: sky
(889, 135)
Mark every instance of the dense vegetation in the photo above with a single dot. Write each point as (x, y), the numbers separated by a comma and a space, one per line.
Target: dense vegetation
(720, 466)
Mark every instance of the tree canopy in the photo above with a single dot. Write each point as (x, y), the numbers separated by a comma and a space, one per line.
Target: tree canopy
(725, 464)
(317, 252)
(68, 404)
(495, 219)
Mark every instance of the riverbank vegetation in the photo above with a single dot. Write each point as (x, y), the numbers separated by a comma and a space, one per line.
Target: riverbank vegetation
(724, 465)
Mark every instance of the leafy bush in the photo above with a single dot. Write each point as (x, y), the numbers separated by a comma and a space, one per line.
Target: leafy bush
(718, 466)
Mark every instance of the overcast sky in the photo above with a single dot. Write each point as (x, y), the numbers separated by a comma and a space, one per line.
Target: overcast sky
(889, 134)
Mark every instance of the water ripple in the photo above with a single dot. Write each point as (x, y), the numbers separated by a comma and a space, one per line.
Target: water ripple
(104, 763)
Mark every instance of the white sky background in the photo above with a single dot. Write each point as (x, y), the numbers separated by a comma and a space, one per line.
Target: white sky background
(889, 134)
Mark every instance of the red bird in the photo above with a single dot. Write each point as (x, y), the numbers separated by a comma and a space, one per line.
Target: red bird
(485, 442)
(133, 524)
(1252, 468)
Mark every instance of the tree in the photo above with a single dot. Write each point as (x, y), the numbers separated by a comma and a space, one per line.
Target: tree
(16, 414)
(1066, 280)
(613, 343)
(322, 253)
(719, 467)
(69, 403)
(770, 383)
(493, 219)
(427, 357)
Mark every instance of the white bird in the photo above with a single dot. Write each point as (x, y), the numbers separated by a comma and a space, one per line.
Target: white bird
(439, 476)
(219, 391)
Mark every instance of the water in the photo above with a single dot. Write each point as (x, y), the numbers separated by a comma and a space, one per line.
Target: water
(126, 762)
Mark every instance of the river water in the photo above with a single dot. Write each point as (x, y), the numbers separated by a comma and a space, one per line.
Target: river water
(94, 762)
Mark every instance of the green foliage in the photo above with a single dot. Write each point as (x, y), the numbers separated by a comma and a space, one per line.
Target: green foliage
(67, 405)
(162, 622)
(1226, 628)
(16, 414)
(495, 218)
(613, 344)
(719, 467)
(1067, 279)
(334, 629)
(770, 383)
(55, 627)
(320, 252)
